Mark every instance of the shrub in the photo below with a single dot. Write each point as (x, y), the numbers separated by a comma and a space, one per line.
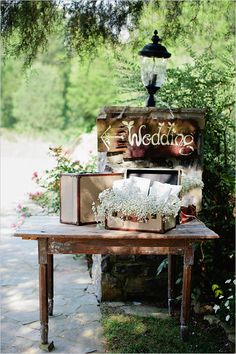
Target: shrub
(225, 303)
(49, 197)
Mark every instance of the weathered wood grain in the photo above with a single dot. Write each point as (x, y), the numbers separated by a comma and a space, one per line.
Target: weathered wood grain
(42, 251)
(149, 133)
(186, 292)
(43, 303)
(171, 282)
(49, 227)
(121, 242)
(164, 113)
(58, 248)
(50, 284)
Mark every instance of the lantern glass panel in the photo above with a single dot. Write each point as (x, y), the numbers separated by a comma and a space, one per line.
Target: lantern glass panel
(153, 71)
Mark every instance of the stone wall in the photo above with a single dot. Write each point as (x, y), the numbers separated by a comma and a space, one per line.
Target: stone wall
(129, 278)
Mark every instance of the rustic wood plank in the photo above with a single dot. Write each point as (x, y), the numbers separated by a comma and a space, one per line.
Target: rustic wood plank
(150, 133)
(50, 280)
(75, 248)
(171, 282)
(190, 113)
(47, 226)
(120, 242)
(42, 251)
(186, 292)
(43, 303)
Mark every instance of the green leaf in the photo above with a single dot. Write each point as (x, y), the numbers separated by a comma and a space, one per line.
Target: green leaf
(215, 286)
(162, 266)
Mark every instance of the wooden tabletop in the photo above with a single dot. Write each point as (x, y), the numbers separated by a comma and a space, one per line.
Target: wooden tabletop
(37, 227)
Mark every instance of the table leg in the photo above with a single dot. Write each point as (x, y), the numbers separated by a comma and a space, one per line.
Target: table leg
(186, 292)
(43, 295)
(171, 282)
(50, 284)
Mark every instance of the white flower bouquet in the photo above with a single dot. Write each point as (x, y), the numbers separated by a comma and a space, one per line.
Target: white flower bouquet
(189, 182)
(127, 206)
(191, 194)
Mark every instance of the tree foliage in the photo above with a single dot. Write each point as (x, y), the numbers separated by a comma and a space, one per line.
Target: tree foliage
(90, 87)
(10, 79)
(38, 103)
(26, 26)
(56, 95)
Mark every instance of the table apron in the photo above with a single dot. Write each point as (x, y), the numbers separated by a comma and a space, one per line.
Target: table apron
(117, 246)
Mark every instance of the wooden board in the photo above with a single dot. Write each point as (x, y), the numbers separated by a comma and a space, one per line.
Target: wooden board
(149, 132)
(155, 224)
(49, 227)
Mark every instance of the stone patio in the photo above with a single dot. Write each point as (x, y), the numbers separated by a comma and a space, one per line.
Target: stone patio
(75, 326)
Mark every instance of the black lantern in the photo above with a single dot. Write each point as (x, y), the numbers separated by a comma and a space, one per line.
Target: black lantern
(153, 67)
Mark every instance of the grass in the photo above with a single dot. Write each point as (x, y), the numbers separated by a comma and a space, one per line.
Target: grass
(133, 334)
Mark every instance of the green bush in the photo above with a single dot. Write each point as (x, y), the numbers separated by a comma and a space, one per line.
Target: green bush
(225, 301)
(49, 198)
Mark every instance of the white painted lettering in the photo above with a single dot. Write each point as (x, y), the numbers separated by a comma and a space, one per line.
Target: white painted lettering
(186, 150)
(137, 137)
(159, 138)
(146, 137)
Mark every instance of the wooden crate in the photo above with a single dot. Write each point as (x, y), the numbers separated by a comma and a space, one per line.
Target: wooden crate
(156, 224)
(79, 191)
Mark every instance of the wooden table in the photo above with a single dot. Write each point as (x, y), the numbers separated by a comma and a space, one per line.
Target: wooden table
(54, 238)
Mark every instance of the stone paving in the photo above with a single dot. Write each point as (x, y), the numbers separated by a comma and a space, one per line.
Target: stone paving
(75, 326)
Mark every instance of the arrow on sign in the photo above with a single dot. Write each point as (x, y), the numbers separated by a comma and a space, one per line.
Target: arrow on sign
(106, 138)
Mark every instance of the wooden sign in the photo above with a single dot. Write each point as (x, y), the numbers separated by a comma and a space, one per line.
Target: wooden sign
(150, 133)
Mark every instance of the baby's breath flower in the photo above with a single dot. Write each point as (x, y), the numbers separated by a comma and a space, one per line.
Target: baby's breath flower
(190, 182)
(130, 202)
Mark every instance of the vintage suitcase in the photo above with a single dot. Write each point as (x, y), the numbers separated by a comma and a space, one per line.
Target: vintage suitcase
(156, 223)
(79, 191)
